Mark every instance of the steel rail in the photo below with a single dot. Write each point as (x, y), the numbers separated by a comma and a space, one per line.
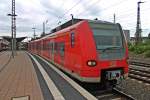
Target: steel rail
(139, 74)
(139, 63)
(129, 97)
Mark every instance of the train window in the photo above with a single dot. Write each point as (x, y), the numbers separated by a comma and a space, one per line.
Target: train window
(55, 47)
(50, 46)
(62, 49)
(32, 46)
(43, 45)
(72, 39)
(107, 38)
(36, 46)
(47, 46)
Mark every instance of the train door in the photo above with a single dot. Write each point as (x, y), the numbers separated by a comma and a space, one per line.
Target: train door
(52, 44)
(40, 47)
(62, 52)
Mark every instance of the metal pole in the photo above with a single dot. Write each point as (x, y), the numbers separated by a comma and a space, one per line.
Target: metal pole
(34, 35)
(138, 37)
(12, 33)
(43, 28)
(72, 18)
(13, 29)
(14, 19)
(114, 18)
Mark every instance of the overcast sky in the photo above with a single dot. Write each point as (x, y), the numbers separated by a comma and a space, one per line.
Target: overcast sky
(32, 13)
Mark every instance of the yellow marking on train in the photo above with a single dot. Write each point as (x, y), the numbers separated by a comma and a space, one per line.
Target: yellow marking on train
(140, 82)
(147, 84)
(105, 95)
(116, 99)
(21, 98)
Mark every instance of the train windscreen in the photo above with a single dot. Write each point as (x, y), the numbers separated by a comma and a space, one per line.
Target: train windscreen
(108, 40)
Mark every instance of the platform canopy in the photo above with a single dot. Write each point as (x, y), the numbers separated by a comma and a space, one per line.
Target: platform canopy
(18, 39)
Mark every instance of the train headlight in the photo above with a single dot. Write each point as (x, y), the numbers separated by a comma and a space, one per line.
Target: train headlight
(91, 63)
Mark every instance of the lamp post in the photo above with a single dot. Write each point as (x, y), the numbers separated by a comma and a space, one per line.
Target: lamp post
(13, 33)
(44, 28)
(138, 37)
(13, 28)
(59, 22)
(72, 18)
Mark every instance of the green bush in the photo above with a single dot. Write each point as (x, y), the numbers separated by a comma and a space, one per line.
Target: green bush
(147, 53)
(131, 48)
(141, 48)
(129, 44)
(147, 42)
(147, 48)
(138, 49)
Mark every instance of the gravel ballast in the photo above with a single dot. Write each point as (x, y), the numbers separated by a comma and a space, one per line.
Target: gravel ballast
(135, 88)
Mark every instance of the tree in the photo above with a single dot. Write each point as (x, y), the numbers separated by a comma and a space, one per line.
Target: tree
(149, 36)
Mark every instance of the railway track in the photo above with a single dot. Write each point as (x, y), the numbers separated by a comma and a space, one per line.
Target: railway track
(138, 63)
(140, 75)
(112, 94)
(140, 71)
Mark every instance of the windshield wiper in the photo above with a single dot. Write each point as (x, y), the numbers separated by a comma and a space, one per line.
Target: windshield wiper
(109, 48)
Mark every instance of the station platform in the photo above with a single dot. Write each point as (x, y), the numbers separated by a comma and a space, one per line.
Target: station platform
(18, 78)
(30, 77)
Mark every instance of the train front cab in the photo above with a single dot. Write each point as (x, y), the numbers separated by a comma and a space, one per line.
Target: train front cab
(104, 52)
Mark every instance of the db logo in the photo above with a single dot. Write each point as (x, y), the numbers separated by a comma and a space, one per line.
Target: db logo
(112, 63)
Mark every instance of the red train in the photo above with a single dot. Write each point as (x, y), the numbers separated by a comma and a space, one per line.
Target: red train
(89, 50)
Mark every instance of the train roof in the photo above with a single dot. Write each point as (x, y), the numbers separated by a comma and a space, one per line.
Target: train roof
(72, 22)
(65, 25)
(100, 21)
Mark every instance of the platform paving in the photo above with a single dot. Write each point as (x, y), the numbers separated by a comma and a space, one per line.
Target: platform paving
(18, 77)
(30, 77)
(68, 88)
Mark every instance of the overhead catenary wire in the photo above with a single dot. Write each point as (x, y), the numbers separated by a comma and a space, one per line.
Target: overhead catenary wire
(89, 5)
(81, 13)
(107, 8)
(92, 5)
(126, 16)
(114, 5)
(54, 22)
(123, 16)
(70, 9)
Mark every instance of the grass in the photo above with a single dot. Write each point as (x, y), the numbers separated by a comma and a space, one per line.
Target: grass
(141, 48)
